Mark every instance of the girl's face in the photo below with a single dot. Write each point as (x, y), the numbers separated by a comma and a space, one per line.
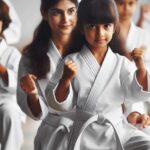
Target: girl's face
(98, 35)
(62, 18)
(126, 9)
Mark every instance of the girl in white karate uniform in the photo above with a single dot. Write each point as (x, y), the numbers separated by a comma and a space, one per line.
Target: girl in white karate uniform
(134, 37)
(11, 116)
(96, 81)
(51, 42)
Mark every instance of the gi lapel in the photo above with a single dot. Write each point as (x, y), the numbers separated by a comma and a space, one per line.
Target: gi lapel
(101, 80)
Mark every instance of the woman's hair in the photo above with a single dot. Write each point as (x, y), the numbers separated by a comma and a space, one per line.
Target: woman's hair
(4, 15)
(99, 12)
(37, 50)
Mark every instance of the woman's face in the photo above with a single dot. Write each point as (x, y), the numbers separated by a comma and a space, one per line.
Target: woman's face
(126, 9)
(62, 18)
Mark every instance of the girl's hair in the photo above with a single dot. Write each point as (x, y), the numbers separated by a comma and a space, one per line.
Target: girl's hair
(99, 12)
(37, 50)
(4, 15)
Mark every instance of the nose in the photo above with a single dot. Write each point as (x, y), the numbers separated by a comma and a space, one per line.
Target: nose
(126, 7)
(65, 18)
(100, 31)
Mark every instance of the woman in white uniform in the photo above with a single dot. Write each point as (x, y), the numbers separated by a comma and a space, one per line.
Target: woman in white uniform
(96, 81)
(51, 42)
(134, 37)
(11, 116)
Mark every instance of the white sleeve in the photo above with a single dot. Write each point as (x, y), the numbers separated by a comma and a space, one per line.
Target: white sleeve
(12, 70)
(13, 33)
(22, 96)
(66, 105)
(133, 90)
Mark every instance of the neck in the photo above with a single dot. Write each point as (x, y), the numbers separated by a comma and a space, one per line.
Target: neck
(99, 53)
(126, 23)
(62, 43)
(124, 28)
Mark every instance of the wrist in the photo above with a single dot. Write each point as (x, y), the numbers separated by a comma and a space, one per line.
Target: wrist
(33, 96)
(65, 82)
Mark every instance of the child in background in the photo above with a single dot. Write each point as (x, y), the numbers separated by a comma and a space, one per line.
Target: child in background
(134, 37)
(96, 81)
(11, 116)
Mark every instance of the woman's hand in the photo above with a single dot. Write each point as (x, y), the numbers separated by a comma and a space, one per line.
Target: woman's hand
(28, 85)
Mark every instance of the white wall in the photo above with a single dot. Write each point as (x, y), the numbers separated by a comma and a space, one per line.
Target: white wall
(29, 14)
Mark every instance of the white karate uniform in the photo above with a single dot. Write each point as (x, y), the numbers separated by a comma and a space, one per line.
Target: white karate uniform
(138, 37)
(47, 112)
(13, 33)
(97, 92)
(11, 116)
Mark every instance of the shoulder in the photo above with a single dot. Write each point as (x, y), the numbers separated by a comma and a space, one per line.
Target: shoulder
(73, 56)
(12, 51)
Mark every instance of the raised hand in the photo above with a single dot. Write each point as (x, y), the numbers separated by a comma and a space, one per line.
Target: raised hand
(28, 85)
(138, 56)
(141, 73)
(70, 70)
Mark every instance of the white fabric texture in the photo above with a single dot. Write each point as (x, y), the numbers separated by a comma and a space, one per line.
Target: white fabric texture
(11, 116)
(100, 90)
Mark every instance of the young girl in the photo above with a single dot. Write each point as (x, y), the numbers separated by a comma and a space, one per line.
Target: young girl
(11, 117)
(52, 40)
(96, 81)
(134, 37)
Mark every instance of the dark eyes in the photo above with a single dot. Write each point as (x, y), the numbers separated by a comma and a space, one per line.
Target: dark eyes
(58, 12)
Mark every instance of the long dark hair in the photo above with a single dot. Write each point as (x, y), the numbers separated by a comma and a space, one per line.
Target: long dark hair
(37, 50)
(101, 11)
(4, 15)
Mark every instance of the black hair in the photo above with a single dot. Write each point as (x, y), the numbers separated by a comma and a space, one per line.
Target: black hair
(37, 50)
(4, 15)
(99, 12)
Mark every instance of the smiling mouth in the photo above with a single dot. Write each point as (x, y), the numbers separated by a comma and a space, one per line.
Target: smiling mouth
(100, 41)
(65, 26)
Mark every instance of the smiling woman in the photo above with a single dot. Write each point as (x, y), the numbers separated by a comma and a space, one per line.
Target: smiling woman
(53, 39)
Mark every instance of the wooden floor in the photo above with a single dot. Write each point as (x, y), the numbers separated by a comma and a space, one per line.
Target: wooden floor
(29, 129)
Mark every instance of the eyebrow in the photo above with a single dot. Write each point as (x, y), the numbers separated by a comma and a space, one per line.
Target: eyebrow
(53, 9)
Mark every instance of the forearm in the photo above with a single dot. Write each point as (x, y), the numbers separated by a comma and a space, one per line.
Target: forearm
(62, 90)
(141, 75)
(34, 105)
(4, 74)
